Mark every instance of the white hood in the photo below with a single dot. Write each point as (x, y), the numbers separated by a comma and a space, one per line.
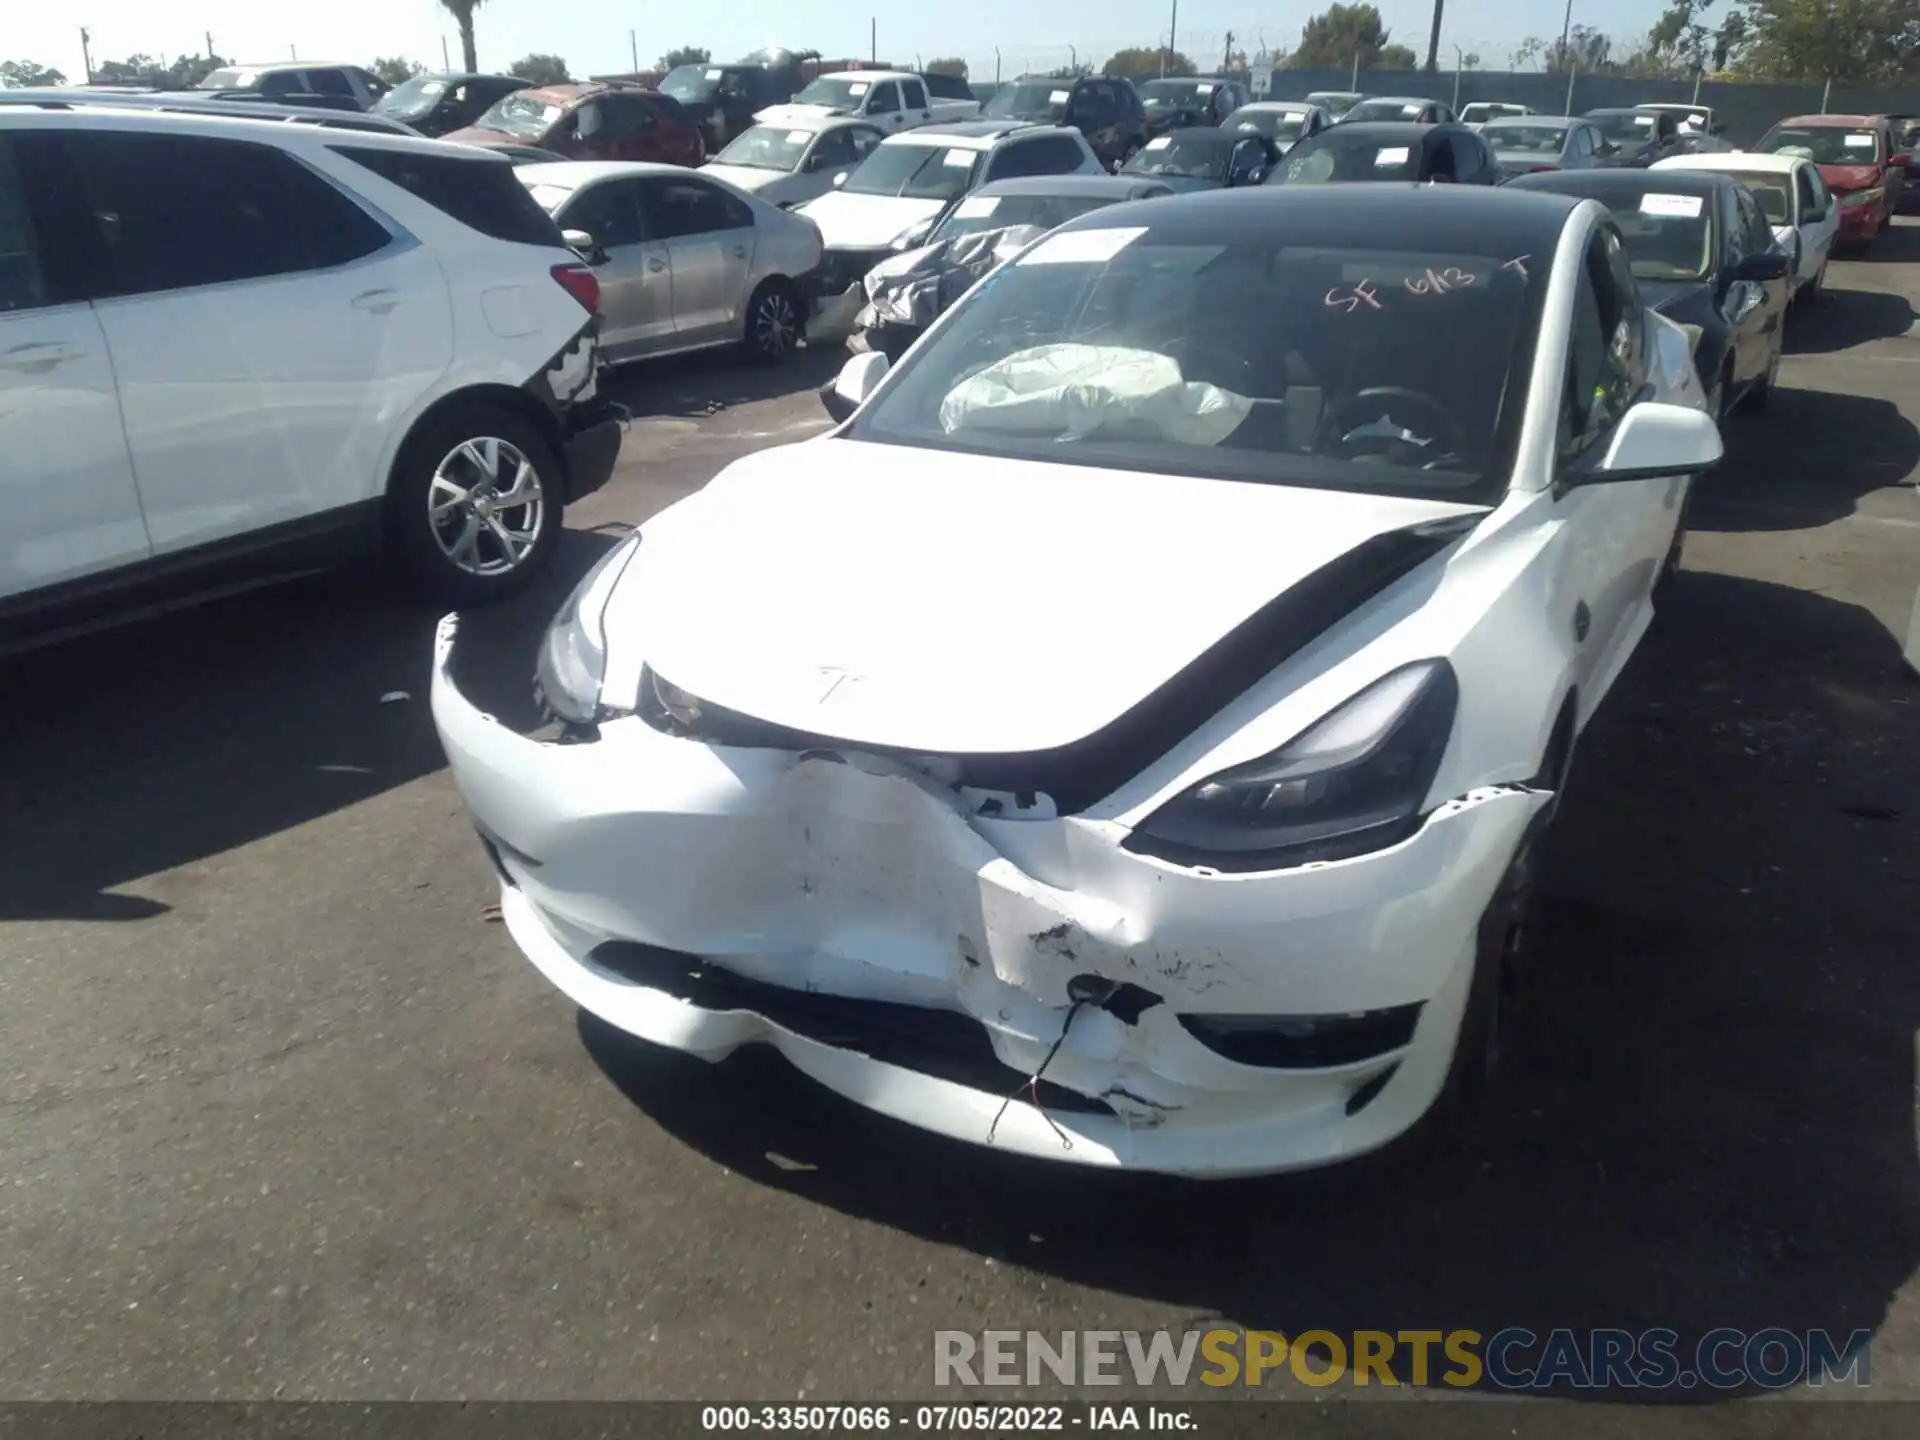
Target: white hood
(786, 114)
(865, 222)
(962, 604)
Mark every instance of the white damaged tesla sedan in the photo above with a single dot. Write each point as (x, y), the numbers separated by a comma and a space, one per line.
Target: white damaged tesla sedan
(1125, 739)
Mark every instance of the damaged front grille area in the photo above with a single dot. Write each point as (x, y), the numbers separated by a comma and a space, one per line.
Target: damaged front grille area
(1305, 1042)
(937, 1043)
(1078, 775)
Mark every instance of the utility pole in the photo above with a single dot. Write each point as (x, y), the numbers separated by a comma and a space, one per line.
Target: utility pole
(209, 45)
(1354, 82)
(873, 40)
(633, 48)
(1573, 73)
(86, 55)
(1566, 29)
(1226, 60)
(1173, 38)
(446, 60)
(1459, 63)
(996, 64)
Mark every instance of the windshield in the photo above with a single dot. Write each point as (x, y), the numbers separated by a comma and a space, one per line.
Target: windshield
(1274, 124)
(1824, 145)
(834, 94)
(1533, 139)
(1164, 93)
(767, 147)
(690, 82)
(923, 172)
(1003, 212)
(412, 97)
(1480, 112)
(1772, 193)
(1334, 102)
(1334, 155)
(1362, 368)
(228, 79)
(520, 114)
(1667, 234)
(1625, 126)
(1188, 157)
(1386, 110)
(1029, 100)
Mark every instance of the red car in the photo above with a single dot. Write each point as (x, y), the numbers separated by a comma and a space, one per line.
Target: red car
(591, 122)
(1859, 157)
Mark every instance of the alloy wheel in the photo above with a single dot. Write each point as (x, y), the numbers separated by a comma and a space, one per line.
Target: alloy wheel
(776, 325)
(486, 506)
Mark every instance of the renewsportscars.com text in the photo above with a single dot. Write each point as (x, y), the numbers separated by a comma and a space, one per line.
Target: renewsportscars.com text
(1515, 1358)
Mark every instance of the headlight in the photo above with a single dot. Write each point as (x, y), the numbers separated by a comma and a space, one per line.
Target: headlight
(1851, 198)
(573, 656)
(1351, 783)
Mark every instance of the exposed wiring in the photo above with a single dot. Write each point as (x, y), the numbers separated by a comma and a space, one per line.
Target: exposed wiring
(1031, 1086)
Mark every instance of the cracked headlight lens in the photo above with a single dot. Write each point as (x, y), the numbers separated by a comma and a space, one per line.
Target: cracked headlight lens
(573, 655)
(1352, 782)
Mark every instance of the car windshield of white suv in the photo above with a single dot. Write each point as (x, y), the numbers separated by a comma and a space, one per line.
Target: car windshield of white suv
(837, 93)
(521, 115)
(922, 172)
(1281, 125)
(1366, 368)
(1824, 145)
(767, 147)
(1199, 156)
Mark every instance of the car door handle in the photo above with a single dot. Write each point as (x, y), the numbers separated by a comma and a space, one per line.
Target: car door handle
(656, 266)
(739, 252)
(39, 355)
(378, 301)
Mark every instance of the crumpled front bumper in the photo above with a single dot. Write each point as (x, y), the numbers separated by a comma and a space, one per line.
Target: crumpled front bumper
(810, 881)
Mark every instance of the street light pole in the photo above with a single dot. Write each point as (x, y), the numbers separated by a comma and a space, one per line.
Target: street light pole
(1173, 37)
(1458, 57)
(1566, 29)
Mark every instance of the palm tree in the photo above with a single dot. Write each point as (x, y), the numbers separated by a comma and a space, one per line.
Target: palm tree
(462, 12)
(1433, 39)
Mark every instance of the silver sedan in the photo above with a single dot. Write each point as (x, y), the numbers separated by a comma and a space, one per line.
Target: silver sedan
(685, 262)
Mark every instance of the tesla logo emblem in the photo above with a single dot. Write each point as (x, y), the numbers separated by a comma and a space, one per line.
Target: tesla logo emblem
(833, 677)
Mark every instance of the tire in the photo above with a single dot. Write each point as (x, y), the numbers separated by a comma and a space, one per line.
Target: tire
(1817, 286)
(455, 541)
(773, 326)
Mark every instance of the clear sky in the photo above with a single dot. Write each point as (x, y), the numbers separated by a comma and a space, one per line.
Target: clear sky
(592, 35)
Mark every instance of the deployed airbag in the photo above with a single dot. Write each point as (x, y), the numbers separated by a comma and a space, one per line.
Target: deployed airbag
(1071, 391)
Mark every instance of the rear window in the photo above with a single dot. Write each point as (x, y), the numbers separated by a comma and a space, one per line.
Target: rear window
(481, 194)
(948, 87)
(1339, 154)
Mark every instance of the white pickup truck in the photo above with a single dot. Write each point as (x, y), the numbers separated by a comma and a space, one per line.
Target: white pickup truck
(894, 100)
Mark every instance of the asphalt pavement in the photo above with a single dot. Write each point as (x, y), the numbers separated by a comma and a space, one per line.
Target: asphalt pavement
(284, 1114)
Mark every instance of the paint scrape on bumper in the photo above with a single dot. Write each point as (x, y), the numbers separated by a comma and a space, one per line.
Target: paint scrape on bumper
(929, 962)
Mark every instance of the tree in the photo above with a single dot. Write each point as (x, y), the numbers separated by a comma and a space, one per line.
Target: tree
(1143, 63)
(541, 69)
(1585, 49)
(1395, 57)
(134, 70)
(1857, 40)
(685, 55)
(187, 71)
(1335, 39)
(948, 65)
(462, 12)
(394, 70)
(24, 74)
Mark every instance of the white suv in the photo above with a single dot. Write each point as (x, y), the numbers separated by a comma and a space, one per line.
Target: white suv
(232, 348)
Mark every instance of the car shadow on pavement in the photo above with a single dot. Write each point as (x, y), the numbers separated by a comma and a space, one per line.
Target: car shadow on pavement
(1785, 470)
(130, 752)
(1709, 1120)
(709, 381)
(1841, 319)
(1897, 244)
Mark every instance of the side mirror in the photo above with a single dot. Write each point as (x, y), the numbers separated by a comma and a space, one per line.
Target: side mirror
(858, 379)
(1762, 265)
(840, 179)
(590, 249)
(1655, 441)
(1903, 159)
